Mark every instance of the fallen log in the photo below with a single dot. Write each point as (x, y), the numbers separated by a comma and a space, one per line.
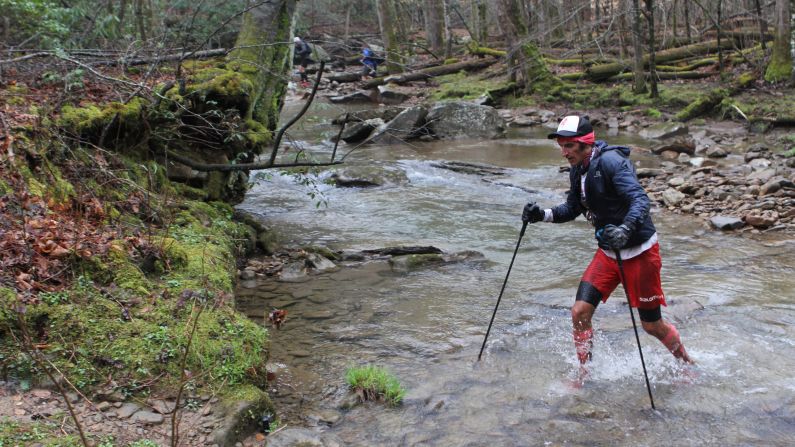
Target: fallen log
(476, 50)
(602, 72)
(711, 99)
(345, 77)
(475, 64)
(662, 75)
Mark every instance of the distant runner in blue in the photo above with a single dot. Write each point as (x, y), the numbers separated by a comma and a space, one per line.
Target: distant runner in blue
(370, 61)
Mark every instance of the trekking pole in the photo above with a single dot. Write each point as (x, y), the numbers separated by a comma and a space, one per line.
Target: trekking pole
(634, 326)
(521, 233)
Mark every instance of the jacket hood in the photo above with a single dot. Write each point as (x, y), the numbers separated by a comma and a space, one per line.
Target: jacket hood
(603, 147)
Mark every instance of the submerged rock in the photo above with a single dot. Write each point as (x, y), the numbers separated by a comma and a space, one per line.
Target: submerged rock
(368, 176)
(303, 437)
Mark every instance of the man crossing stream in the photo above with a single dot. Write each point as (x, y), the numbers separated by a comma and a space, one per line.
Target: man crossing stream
(605, 189)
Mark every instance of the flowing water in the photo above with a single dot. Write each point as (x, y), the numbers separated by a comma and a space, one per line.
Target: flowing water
(730, 297)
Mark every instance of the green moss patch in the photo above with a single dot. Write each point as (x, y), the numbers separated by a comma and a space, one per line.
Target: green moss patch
(461, 86)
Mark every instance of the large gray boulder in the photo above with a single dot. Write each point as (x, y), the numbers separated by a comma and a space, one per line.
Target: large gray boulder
(459, 119)
(405, 126)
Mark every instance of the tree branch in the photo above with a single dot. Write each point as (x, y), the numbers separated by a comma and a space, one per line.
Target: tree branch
(280, 133)
(223, 167)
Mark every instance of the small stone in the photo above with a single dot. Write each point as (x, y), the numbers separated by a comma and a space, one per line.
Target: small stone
(726, 222)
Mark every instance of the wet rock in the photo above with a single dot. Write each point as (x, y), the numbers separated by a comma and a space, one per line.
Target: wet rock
(524, 121)
(764, 175)
(406, 125)
(348, 401)
(662, 131)
(302, 437)
(696, 161)
(676, 182)
(294, 272)
(761, 221)
(681, 145)
(147, 417)
(458, 119)
(672, 197)
(774, 185)
(383, 113)
(388, 94)
(649, 172)
(357, 132)
(464, 256)
(726, 222)
(412, 262)
(759, 164)
(247, 274)
(368, 176)
(320, 263)
(716, 152)
(328, 417)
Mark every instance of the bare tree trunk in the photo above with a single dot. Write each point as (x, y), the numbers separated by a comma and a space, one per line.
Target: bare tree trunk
(640, 81)
(687, 21)
(434, 24)
(448, 31)
(780, 66)
(483, 22)
(674, 15)
(394, 62)
(653, 91)
(719, 28)
(122, 11)
(139, 17)
(762, 27)
(792, 41)
(348, 21)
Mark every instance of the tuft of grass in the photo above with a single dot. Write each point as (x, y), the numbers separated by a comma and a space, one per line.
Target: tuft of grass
(375, 383)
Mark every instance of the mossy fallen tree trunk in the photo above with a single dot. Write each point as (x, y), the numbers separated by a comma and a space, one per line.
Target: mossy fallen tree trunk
(707, 102)
(602, 72)
(664, 75)
(476, 50)
(428, 73)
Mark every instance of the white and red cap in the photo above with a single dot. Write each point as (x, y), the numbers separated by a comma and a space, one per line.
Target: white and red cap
(572, 126)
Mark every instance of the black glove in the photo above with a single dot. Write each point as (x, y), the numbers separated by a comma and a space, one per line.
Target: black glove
(532, 213)
(613, 237)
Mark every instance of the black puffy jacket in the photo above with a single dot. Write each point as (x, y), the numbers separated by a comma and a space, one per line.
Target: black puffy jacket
(613, 194)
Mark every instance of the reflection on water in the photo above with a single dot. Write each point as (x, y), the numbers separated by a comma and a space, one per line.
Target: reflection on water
(731, 299)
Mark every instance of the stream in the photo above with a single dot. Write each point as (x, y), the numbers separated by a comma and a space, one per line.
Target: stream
(730, 297)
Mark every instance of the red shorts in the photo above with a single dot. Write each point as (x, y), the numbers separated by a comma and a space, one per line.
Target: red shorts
(642, 277)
